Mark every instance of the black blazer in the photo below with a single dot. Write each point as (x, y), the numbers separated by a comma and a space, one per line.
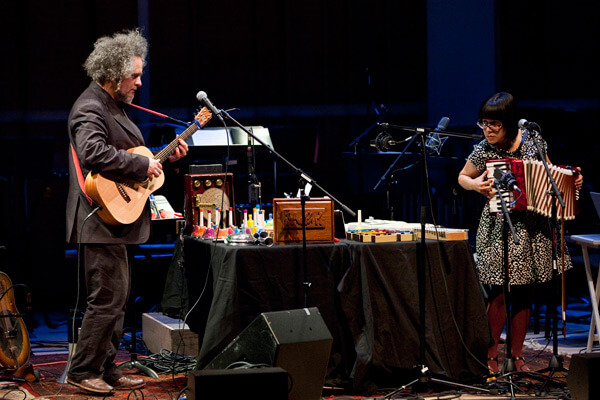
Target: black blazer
(101, 132)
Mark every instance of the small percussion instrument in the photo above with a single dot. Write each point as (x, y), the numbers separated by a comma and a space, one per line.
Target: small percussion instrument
(533, 181)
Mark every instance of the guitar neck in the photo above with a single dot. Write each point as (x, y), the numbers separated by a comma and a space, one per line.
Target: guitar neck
(170, 148)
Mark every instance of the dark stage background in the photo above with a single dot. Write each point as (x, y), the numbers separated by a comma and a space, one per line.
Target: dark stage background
(318, 74)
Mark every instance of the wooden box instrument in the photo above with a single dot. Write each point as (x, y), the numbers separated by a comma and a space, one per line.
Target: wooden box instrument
(206, 192)
(533, 181)
(287, 220)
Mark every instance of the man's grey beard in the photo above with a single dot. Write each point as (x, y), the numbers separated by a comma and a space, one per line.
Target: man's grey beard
(124, 98)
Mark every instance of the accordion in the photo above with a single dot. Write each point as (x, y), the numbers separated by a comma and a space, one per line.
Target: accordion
(533, 181)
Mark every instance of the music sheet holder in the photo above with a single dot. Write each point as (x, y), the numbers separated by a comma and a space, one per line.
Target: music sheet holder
(231, 136)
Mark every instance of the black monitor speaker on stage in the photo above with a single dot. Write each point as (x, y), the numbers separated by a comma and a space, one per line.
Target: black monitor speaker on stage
(297, 341)
(265, 383)
(584, 371)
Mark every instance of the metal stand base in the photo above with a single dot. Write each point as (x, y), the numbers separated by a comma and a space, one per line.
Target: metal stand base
(424, 381)
(63, 377)
(134, 363)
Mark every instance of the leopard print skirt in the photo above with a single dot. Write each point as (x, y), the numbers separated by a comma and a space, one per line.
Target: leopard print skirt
(530, 261)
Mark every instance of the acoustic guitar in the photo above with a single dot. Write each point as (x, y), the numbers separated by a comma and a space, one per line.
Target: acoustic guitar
(14, 338)
(123, 200)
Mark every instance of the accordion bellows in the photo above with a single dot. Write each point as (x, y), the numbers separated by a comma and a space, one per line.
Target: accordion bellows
(533, 181)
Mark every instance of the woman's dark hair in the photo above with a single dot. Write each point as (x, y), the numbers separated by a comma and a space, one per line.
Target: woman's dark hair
(502, 107)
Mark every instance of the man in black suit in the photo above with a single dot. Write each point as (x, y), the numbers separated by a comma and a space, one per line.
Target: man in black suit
(101, 132)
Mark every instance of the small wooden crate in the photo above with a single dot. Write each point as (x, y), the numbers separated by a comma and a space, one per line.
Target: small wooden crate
(287, 220)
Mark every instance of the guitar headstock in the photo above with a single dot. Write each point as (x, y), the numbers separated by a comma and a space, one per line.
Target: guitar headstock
(203, 116)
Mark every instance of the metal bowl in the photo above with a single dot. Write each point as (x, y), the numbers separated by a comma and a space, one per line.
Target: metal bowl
(241, 239)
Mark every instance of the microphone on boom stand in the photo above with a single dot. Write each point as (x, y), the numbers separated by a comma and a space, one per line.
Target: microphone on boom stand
(384, 141)
(434, 141)
(532, 126)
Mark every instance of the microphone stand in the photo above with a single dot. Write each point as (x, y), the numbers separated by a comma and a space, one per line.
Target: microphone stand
(509, 364)
(303, 178)
(355, 142)
(556, 361)
(302, 174)
(389, 183)
(410, 140)
(254, 186)
(305, 283)
(422, 370)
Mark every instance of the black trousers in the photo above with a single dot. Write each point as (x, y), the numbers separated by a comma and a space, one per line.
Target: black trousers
(107, 276)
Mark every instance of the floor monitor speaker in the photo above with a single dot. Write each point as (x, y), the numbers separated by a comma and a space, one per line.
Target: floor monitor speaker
(296, 340)
(582, 380)
(266, 383)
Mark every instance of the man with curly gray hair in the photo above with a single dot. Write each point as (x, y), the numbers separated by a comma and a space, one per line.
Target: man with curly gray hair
(101, 133)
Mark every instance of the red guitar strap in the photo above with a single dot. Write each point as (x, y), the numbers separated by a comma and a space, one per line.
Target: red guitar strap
(79, 174)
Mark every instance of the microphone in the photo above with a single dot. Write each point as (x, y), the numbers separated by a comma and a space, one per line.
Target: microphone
(443, 124)
(506, 180)
(524, 124)
(203, 99)
(434, 141)
(383, 142)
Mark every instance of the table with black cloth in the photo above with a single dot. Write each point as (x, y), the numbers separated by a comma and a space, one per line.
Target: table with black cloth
(380, 297)
(367, 295)
(245, 281)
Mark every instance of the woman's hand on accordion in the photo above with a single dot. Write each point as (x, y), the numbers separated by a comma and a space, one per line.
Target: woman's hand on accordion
(485, 186)
(471, 179)
(578, 178)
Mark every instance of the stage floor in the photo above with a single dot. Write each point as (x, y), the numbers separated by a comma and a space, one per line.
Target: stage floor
(49, 343)
(50, 353)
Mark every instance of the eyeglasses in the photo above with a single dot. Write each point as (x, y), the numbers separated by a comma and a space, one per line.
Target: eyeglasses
(494, 125)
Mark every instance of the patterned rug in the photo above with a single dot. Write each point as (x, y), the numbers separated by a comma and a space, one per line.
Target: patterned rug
(49, 368)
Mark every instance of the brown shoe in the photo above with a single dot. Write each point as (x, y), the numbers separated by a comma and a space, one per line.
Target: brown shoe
(95, 385)
(124, 383)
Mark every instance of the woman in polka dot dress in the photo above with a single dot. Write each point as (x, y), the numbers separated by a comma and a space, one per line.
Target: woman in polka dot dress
(530, 261)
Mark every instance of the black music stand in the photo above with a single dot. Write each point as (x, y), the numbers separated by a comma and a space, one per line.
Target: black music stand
(422, 371)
